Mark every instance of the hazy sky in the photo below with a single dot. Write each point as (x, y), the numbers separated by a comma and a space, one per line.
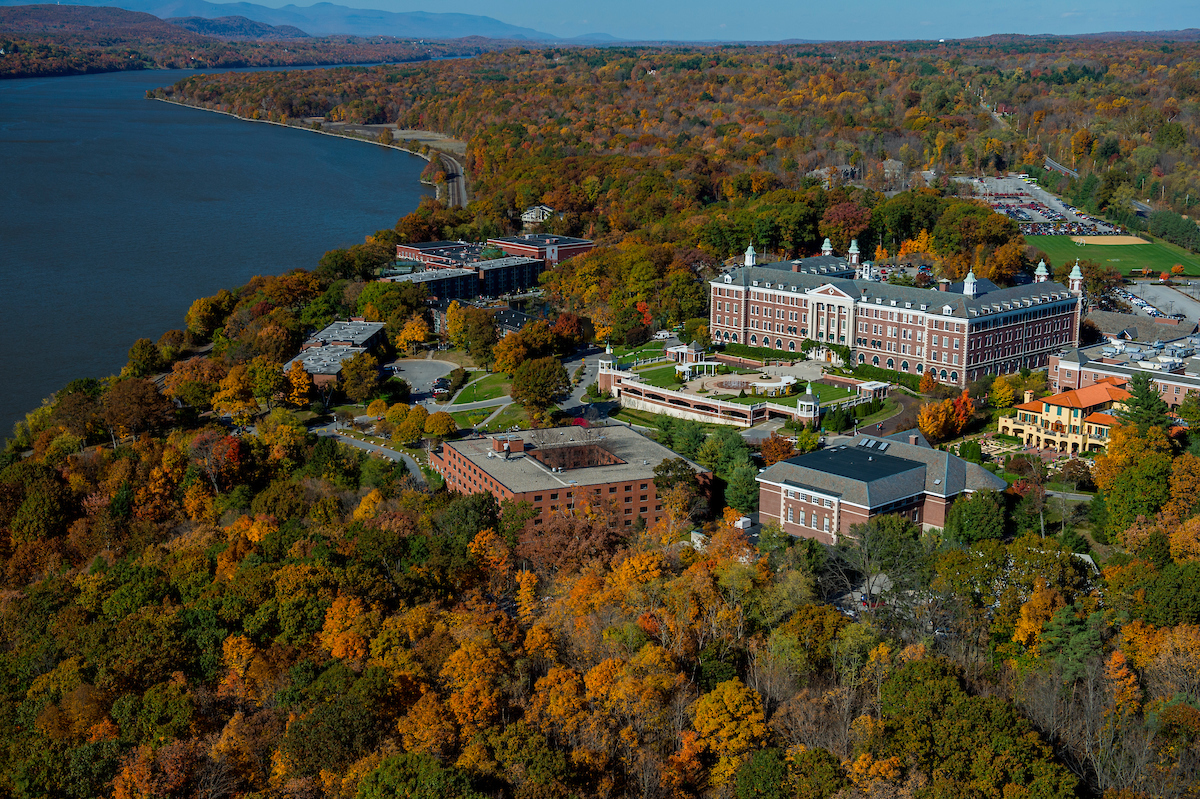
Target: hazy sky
(772, 20)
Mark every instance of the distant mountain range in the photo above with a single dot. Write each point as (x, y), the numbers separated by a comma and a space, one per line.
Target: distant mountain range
(238, 28)
(327, 19)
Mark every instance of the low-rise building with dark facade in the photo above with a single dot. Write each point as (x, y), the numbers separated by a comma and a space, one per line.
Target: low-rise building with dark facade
(449, 283)
(823, 494)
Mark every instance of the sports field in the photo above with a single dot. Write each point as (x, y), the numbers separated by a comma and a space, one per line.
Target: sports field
(1125, 257)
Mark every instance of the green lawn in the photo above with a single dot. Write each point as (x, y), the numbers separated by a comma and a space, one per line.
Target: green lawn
(468, 419)
(651, 350)
(827, 393)
(514, 414)
(1158, 256)
(660, 377)
(490, 387)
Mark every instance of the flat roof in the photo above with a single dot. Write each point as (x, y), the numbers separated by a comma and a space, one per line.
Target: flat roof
(357, 333)
(540, 239)
(512, 260)
(325, 360)
(430, 275)
(522, 473)
(857, 463)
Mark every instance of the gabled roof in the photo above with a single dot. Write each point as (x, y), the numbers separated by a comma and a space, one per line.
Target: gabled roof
(991, 301)
(1100, 417)
(1090, 396)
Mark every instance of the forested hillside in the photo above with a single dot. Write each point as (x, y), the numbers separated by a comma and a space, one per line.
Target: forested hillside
(194, 610)
(44, 40)
(652, 140)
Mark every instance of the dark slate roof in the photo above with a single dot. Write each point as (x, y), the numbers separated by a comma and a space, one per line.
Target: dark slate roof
(989, 302)
(510, 319)
(871, 471)
(1143, 328)
(832, 265)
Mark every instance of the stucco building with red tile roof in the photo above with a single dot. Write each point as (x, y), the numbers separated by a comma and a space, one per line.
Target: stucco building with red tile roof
(1078, 420)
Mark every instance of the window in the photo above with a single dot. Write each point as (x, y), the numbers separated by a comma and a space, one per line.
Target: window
(790, 515)
(537, 498)
(643, 498)
(644, 486)
(612, 489)
(629, 487)
(553, 497)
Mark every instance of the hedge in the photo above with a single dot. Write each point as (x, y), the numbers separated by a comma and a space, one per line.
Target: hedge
(868, 372)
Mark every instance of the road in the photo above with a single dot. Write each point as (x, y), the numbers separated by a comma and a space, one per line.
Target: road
(1052, 164)
(456, 181)
(329, 431)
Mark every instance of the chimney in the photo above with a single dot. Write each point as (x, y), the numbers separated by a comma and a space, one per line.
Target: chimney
(1029, 396)
(912, 439)
(943, 285)
(795, 266)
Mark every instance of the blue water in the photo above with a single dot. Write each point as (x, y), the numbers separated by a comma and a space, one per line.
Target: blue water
(117, 211)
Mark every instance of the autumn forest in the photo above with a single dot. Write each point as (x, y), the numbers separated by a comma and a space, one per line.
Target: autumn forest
(193, 611)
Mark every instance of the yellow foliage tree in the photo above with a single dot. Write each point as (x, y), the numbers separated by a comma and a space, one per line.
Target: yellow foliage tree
(415, 331)
(730, 722)
(368, 506)
(1039, 609)
(455, 326)
(299, 385)
(236, 396)
(936, 420)
(1002, 394)
(510, 352)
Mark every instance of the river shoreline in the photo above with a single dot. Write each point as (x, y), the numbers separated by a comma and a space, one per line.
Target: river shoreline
(350, 137)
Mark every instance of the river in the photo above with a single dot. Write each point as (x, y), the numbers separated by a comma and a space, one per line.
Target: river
(116, 212)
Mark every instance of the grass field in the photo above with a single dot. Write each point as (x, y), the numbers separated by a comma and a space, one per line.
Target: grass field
(660, 377)
(488, 388)
(468, 419)
(1158, 256)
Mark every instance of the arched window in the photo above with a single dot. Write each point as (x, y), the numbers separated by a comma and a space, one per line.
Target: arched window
(875, 361)
(944, 375)
(891, 363)
(862, 358)
(904, 366)
(735, 338)
(754, 339)
(792, 346)
(954, 377)
(920, 368)
(778, 343)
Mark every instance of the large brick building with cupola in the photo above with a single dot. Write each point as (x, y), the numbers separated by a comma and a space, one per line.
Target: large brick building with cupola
(959, 331)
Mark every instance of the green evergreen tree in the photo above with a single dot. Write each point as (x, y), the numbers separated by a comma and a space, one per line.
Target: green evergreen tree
(976, 517)
(1146, 407)
(742, 493)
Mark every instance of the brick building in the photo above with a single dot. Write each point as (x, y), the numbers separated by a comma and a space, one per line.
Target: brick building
(959, 331)
(543, 246)
(822, 494)
(558, 469)
(1175, 376)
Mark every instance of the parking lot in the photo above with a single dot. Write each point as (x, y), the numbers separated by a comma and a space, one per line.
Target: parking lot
(420, 374)
(1165, 301)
